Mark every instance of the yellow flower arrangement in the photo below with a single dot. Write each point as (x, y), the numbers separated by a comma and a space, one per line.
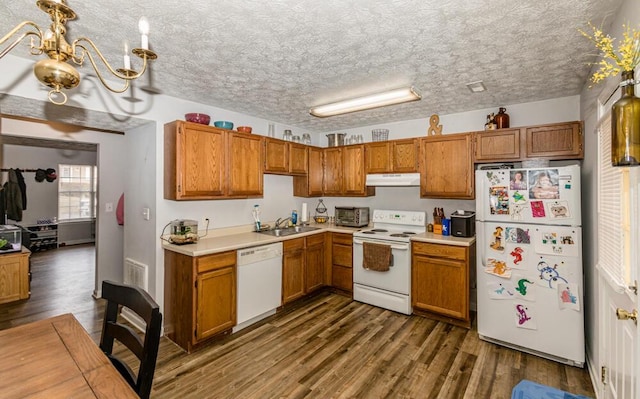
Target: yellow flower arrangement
(626, 58)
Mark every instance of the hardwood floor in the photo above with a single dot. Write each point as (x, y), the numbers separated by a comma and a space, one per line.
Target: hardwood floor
(326, 346)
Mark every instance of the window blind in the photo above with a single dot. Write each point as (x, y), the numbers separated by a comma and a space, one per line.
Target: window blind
(611, 260)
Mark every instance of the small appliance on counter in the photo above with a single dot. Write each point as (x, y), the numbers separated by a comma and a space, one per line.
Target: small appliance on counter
(351, 216)
(463, 224)
(183, 231)
(10, 238)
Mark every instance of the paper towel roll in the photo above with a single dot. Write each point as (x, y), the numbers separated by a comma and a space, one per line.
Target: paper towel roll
(304, 215)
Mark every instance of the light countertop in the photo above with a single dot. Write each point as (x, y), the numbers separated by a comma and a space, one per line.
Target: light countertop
(242, 237)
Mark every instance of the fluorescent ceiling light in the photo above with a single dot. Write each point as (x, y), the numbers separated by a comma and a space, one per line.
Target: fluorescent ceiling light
(361, 103)
(476, 87)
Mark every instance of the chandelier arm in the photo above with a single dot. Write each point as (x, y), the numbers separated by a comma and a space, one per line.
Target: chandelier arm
(100, 77)
(37, 33)
(78, 60)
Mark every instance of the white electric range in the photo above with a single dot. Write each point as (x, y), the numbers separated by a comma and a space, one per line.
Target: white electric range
(387, 289)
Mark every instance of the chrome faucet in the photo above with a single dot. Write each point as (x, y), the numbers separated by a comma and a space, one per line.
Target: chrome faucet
(280, 220)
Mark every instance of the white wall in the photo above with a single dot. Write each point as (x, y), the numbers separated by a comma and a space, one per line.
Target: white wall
(629, 13)
(42, 197)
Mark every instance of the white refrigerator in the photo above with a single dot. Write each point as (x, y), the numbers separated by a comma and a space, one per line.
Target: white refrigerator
(529, 269)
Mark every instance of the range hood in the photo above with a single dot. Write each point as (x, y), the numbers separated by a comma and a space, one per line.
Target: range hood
(394, 179)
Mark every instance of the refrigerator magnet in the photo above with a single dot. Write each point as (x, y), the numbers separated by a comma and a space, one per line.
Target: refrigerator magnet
(568, 296)
(525, 317)
(498, 200)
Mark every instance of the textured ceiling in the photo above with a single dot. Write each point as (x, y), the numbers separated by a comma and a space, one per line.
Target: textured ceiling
(276, 59)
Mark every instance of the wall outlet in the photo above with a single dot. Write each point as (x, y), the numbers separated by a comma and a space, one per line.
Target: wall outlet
(108, 207)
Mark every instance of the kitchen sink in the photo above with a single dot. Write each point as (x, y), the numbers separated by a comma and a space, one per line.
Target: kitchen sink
(289, 231)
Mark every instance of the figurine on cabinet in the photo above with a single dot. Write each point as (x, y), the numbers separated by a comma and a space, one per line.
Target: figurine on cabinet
(491, 123)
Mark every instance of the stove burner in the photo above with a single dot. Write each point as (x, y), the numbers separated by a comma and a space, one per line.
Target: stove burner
(379, 230)
(368, 232)
(399, 235)
(408, 232)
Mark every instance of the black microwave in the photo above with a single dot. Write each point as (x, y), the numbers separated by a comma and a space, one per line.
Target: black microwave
(352, 216)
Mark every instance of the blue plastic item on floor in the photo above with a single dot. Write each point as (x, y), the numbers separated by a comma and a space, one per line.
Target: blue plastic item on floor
(531, 390)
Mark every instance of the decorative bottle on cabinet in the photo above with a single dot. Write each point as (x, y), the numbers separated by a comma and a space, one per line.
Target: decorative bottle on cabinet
(502, 119)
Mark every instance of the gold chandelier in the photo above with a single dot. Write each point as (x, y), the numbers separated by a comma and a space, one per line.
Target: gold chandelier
(55, 71)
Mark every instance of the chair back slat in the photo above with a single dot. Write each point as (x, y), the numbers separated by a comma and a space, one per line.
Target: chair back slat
(146, 350)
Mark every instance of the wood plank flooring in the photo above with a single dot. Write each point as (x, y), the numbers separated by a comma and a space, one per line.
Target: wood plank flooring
(326, 346)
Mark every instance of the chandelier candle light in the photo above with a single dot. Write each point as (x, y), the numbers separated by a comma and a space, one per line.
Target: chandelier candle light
(56, 72)
(625, 113)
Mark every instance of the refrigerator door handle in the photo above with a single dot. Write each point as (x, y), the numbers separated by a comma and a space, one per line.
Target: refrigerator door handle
(480, 243)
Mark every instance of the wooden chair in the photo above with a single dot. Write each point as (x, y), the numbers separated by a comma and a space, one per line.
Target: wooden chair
(141, 303)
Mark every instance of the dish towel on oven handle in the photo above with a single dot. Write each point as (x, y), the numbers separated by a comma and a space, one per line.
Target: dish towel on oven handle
(376, 257)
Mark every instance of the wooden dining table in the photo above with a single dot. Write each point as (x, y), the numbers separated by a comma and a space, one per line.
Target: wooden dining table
(56, 358)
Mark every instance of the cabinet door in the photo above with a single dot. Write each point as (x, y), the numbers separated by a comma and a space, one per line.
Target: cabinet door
(496, 146)
(14, 277)
(276, 156)
(353, 172)
(292, 270)
(314, 268)
(342, 262)
(404, 155)
(245, 165)
(378, 157)
(555, 141)
(195, 162)
(332, 181)
(447, 167)
(298, 162)
(311, 184)
(216, 302)
(440, 286)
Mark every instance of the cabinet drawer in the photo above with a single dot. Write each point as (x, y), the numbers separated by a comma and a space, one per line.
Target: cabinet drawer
(440, 250)
(315, 240)
(342, 255)
(216, 261)
(341, 238)
(293, 245)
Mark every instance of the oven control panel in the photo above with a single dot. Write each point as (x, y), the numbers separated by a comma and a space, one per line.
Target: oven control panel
(399, 217)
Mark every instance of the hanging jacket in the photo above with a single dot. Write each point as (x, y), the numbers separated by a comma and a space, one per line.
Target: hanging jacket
(23, 188)
(13, 197)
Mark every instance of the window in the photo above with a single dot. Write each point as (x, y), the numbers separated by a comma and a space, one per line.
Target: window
(77, 192)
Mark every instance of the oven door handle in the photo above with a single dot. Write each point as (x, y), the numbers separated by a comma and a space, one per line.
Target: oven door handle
(398, 246)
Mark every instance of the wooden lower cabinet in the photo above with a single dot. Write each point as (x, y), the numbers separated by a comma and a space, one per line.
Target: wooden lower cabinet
(200, 297)
(14, 276)
(440, 281)
(342, 262)
(292, 270)
(303, 268)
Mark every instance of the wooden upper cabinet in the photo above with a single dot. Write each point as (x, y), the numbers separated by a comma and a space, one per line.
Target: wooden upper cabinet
(276, 156)
(298, 162)
(284, 158)
(354, 177)
(194, 161)
(446, 167)
(332, 178)
(552, 141)
(497, 145)
(245, 165)
(555, 141)
(405, 155)
(378, 157)
(397, 156)
(311, 184)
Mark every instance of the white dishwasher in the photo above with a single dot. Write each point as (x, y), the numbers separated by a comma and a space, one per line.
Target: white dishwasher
(259, 283)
